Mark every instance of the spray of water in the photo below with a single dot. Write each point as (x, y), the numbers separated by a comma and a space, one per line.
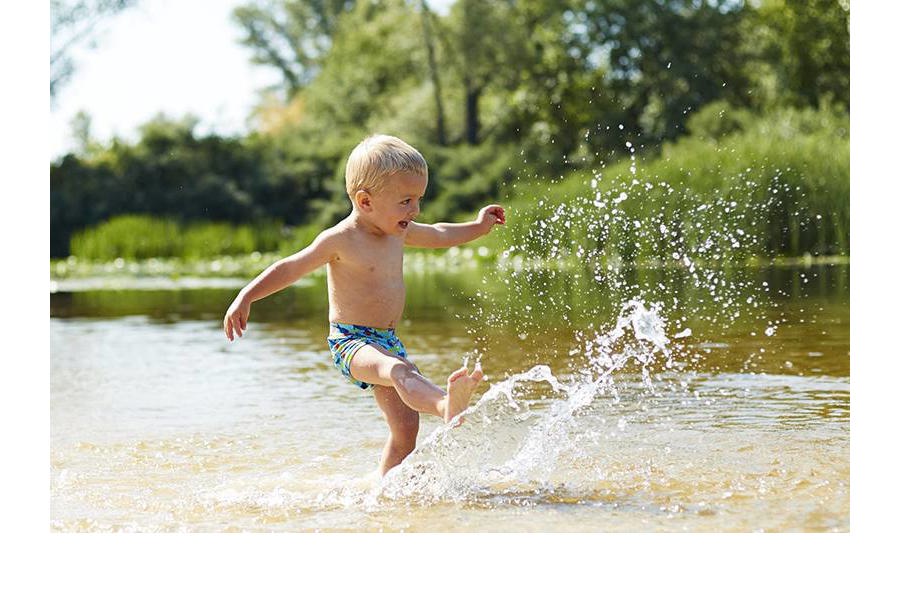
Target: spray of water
(528, 430)
(525, 429)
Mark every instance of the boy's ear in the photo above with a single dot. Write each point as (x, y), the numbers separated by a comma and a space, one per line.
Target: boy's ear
(363, 200)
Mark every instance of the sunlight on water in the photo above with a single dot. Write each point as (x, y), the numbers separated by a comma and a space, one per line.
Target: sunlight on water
(576, 434)
(624, 445)
(686, 395)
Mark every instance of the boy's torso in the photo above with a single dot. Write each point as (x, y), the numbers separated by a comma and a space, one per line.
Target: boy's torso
(365, 279)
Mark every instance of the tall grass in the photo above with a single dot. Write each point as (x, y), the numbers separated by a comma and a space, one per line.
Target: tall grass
(778, 187)
(140, 237)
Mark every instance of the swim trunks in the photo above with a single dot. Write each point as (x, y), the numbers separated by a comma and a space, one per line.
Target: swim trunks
(345, 340)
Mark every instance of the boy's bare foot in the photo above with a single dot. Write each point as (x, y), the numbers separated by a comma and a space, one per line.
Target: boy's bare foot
(460, 387)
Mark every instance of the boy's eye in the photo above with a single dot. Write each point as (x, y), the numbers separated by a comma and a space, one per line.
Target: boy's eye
(405, 201)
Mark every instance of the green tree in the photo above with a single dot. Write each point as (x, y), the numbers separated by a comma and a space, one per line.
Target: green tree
(430, 44)
(806, 45)
(171, 172)
(667, 58)
(292, 36)
(482, 42)
(555, 99)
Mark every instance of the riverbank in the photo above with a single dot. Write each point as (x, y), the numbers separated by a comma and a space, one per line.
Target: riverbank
(250, 265)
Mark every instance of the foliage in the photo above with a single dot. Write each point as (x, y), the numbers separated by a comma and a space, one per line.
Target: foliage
(778, 186)
(805, 47)
(138, 237)
(782, 181)
(667, 59)
(291, 36)
(494, 93)
(172, 173)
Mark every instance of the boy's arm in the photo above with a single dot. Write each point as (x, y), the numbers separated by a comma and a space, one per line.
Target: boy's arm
(445, 235)
(277, 277)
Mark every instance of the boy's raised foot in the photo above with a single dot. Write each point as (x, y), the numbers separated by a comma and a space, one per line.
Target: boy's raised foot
(460, 387)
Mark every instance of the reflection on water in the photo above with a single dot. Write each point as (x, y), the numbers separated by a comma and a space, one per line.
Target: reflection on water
(159, 424)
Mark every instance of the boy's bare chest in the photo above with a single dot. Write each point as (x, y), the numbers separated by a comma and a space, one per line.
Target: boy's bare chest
(375, 261)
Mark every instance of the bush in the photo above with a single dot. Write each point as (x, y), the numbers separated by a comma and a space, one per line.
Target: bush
(778, 185)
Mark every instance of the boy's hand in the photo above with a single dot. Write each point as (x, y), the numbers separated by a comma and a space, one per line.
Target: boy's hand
(236, 318)
(492, 215)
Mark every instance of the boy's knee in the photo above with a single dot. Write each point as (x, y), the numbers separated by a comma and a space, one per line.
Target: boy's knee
(400, 371)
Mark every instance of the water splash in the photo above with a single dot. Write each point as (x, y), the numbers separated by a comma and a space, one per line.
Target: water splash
(577, 257)
(570, 262)
(525, 430)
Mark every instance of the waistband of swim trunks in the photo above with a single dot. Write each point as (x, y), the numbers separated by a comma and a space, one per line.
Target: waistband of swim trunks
(334, 324)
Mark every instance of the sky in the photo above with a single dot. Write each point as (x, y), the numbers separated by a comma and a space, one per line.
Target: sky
(169, 56)
(161, 56)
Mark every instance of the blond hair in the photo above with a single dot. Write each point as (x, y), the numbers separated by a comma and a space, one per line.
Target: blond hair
(378, 157)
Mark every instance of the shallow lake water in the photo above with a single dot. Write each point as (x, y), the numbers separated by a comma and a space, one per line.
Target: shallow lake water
(595, 417)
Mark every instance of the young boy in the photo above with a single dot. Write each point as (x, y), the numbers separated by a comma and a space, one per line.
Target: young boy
(363, 254)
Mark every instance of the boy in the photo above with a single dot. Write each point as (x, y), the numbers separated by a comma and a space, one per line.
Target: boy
(363, 254)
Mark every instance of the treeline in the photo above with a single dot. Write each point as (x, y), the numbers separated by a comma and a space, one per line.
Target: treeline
(491, 92)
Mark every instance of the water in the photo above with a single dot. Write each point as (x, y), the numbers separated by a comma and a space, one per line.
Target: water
(612, 415)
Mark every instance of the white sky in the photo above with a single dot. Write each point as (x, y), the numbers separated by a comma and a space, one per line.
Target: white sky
(161, 56)
(164, 56)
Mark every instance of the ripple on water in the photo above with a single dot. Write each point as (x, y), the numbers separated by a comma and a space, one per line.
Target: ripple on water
(635, 443)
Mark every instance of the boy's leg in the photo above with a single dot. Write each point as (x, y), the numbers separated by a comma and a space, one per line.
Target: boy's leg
(403, 423)
(376, 366)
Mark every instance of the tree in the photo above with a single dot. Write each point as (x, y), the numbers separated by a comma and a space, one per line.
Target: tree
(483, 46)
(807, 45)
(74, 24)
(376, 59)
(557, 97)
(293, 36)
(434, 72)
(81, 131)
(666, 58)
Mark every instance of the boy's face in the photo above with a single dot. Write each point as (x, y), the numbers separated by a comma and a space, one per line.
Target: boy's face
(396, 204)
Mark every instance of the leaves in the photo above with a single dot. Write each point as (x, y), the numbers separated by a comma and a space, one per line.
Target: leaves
(491, 92)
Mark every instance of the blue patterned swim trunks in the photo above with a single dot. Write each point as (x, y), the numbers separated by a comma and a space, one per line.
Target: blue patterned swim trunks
(345, 340)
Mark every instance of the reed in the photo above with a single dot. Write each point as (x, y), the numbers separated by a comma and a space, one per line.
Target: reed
(781, 187)
(138, 237)
(130, 237)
